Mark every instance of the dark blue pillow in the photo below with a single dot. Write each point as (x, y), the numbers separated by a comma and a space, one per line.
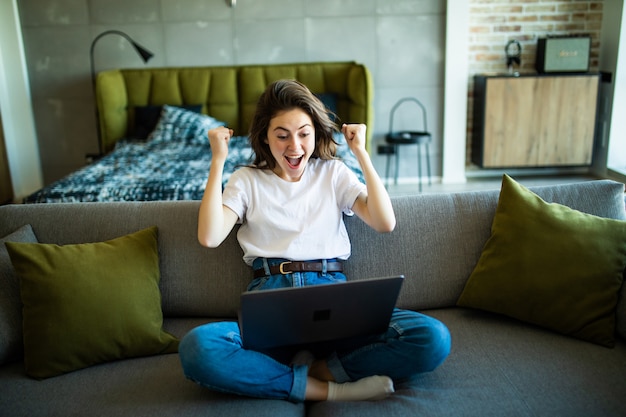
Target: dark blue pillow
(146, 118)
(330, 101)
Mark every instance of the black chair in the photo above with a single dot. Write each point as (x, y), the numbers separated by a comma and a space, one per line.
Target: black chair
(408, 137)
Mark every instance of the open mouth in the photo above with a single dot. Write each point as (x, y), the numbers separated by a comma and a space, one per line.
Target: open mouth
(294, 163)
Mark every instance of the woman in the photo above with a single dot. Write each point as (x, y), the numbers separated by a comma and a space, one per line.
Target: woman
(290, 204)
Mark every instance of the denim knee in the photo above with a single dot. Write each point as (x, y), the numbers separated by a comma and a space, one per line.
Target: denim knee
(440, 342)
(413, 344)
(212, 355)
(428, 337)
(198, 352)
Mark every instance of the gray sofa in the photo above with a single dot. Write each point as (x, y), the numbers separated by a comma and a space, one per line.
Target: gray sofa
(498, 366)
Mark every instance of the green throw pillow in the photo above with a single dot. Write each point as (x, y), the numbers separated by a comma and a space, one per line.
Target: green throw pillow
(550, 265)
(90, 303)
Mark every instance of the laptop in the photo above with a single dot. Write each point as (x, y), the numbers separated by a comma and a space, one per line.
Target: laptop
(318, 313)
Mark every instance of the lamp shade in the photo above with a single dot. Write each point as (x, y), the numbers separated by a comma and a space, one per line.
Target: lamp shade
(145, 54)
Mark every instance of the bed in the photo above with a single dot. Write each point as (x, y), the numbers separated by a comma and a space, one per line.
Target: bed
(153, 124)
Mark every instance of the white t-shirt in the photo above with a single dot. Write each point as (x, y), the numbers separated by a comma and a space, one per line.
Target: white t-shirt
(294, 220)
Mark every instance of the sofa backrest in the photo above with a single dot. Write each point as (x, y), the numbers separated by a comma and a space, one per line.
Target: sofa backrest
(439, 238)
(195, 281)
(228, 93)
(437, 241)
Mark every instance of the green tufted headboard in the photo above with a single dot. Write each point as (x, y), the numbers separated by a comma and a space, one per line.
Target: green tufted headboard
(229, 94)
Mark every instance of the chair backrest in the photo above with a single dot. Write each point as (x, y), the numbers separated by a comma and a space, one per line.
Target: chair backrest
(402, 101)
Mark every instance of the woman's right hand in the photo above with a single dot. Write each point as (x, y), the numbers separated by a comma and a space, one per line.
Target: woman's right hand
(215, 221)
(218, 139)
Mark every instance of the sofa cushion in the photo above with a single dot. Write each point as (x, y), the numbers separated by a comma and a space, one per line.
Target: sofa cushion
(10, 305)
(550, 265)
(502, 367)
(621, 313)
(89, 303)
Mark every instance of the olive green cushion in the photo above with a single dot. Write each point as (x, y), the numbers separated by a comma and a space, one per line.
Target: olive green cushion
(89, 303)
(550, 265)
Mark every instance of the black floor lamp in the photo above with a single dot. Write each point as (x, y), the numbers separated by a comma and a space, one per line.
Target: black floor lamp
(143, 52)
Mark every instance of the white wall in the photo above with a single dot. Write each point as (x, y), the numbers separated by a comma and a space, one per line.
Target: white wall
(401, 42)
(455, 92)
(613, 57)
(15, 106)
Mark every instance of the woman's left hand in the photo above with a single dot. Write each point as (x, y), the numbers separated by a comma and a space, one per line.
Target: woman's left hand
(355, 136)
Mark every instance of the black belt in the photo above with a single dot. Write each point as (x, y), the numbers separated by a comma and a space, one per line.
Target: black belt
(296, 266)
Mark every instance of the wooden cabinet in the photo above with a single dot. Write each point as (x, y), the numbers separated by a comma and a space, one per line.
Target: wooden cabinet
(534, 120)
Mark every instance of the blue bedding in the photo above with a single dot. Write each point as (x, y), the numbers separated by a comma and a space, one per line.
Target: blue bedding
(151, 171)
(172, 164)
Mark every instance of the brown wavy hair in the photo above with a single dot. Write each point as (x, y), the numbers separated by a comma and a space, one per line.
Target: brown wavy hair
(284, 95)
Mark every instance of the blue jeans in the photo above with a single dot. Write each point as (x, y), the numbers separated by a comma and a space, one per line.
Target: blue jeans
(212, 355)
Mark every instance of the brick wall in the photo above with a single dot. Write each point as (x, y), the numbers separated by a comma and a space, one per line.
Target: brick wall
(493, 23)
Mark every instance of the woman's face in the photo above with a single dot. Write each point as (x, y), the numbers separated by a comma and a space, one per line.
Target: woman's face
(291, 138)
